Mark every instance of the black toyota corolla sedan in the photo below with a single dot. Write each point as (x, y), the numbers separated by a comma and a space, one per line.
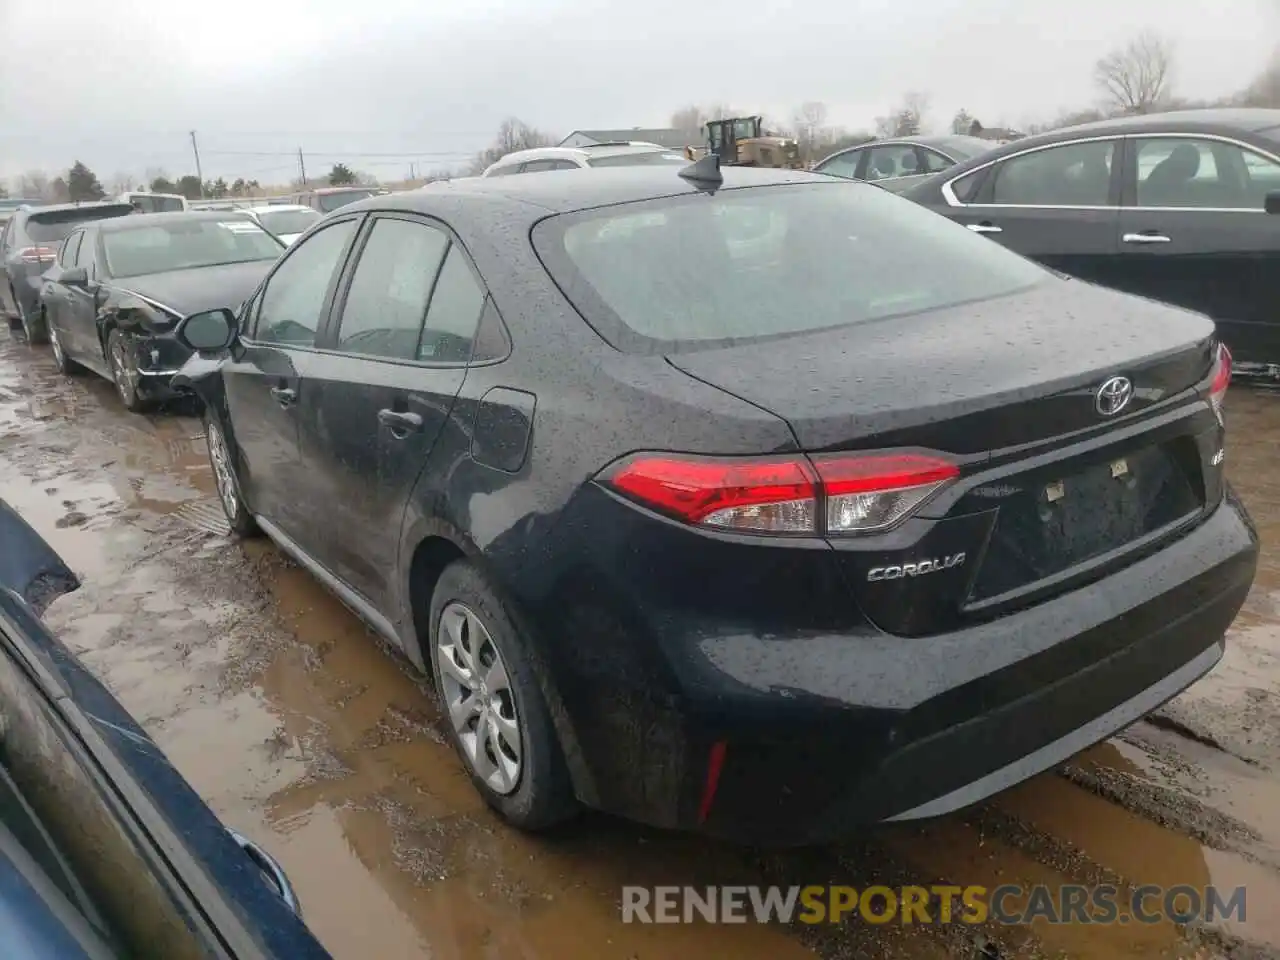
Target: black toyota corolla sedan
(1172, 206)
(119, 287)
(750, 501)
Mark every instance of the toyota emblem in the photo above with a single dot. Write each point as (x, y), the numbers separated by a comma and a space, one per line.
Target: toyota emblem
(1113, 396)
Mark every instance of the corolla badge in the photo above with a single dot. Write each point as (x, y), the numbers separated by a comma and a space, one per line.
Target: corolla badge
(919, 568)
(1113, 396)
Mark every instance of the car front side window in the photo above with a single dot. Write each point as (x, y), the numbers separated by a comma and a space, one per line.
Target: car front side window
(1071, 175)
(386, 301)
(295, 295)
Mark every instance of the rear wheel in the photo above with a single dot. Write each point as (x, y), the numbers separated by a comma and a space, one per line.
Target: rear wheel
(497, 717)
(225, 479)
(33, 326)
(124, 372)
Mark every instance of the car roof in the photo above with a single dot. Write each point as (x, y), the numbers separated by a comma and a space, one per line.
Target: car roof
(1221, 120)
(565, 191)
(137, 220)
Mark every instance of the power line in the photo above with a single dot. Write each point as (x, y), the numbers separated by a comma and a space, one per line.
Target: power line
(338, 153)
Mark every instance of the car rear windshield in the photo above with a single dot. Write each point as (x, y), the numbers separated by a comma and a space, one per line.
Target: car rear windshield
(737, 266)
(638, 159)
(286, 222)
(185, 244)
(150, 203)
(55, 225)
(332, 201)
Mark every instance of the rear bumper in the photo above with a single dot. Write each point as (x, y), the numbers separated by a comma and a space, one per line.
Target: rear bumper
(825, 731)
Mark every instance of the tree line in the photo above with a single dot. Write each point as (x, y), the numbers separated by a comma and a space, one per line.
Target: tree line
(79, 184)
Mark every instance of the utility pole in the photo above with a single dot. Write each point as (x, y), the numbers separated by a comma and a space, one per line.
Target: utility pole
(199, 173)
(302, 168)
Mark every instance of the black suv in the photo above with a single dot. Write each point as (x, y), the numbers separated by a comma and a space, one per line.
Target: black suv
(29, 247)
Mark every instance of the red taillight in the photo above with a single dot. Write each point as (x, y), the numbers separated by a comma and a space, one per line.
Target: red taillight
(1221, 377)
(840, 494)
(38, 254)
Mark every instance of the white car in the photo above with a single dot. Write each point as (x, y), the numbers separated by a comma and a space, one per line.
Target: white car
(287, 221)
(621, 154)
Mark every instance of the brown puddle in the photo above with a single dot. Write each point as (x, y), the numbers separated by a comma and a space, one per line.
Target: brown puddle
(302, 732)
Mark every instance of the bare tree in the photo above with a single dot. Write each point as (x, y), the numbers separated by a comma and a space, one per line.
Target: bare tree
(693, 118)
(122, 183)
(906, 120)
(513, 135)
(812, 132)
(962, 123)
(1265, 90)
(34, 185)
(1136, 78)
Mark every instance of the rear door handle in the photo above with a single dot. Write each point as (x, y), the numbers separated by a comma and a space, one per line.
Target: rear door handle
(402, 423)
(1145, 238)
(985, 228)
(285, 396)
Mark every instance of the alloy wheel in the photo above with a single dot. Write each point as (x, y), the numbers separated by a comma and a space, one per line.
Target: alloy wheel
(122, 372)
(477, 692)
(55, 344)
(223, 478)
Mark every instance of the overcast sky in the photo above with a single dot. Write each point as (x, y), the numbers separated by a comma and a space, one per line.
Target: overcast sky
(119, 84)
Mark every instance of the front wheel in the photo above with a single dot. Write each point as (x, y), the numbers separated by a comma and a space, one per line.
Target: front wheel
(225, 479)
(124, 372)
(496, 714)
(64, 363)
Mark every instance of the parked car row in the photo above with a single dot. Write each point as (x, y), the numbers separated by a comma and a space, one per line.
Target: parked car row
(749, 501)
(1170, 206)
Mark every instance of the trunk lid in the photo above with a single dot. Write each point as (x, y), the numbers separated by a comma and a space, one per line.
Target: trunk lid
(1052, 493)
(969, 379)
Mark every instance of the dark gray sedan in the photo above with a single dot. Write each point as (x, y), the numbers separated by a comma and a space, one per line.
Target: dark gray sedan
(901, 161)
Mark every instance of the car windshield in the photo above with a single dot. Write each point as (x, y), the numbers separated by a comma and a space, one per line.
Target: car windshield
(332, 201)
(52, 227)
(638, 159)
(690, 272)
(185, 244)
(287, 222)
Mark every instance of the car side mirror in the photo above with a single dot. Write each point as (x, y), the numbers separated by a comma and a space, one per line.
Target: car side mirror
(75, 277)
(210, 331)
(1272, 203)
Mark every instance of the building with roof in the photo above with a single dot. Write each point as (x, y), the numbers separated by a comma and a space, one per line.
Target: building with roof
(667, 137)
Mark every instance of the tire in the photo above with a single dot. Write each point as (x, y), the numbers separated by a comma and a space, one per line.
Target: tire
(124, 372)
(539, 793)
(65, 364)
(34, 327)
(226, 480)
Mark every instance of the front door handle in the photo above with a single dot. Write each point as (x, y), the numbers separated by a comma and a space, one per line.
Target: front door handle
(402, 423)
(1145, 238)
(986, 227)
(285, 396)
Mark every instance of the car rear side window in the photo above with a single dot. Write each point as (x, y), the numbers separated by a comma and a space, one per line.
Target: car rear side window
(67, 255)
(1072, 175)
(297, 291)
(454, 313)
(387, 300)
(742, 265)
(1206, 174)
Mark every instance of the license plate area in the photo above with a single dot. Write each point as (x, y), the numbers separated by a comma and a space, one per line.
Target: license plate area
(1058, 522)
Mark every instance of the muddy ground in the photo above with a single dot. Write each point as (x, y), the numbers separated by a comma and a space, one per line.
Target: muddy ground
(304, 734)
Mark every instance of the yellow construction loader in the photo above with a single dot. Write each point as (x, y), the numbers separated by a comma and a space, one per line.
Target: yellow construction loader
(741, 142)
